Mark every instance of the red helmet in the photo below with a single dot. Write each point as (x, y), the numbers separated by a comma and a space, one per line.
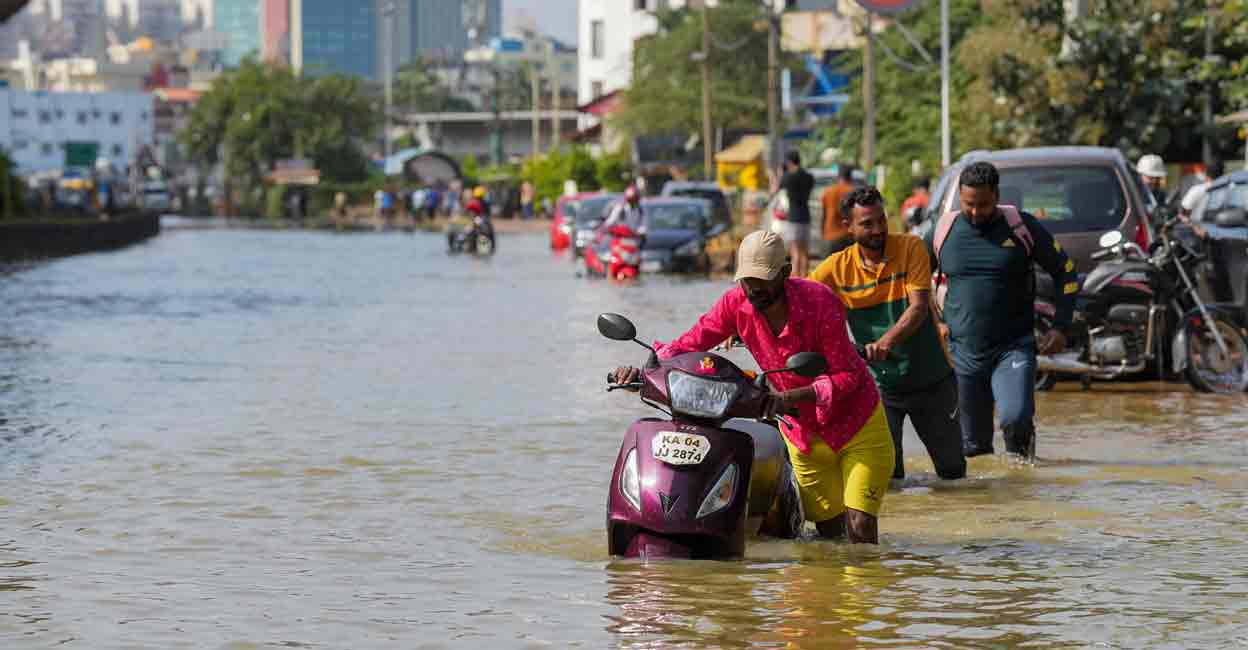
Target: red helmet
(630, 193)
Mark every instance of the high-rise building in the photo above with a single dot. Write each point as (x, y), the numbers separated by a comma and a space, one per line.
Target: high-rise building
(161, 20)
(436, 28)
(89, 23)
(239, 22)
(275, 30)
(332, 36)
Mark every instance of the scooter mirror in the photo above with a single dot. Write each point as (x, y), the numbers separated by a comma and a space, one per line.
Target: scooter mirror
(807, 364)
(616, 327)
(1110, 239)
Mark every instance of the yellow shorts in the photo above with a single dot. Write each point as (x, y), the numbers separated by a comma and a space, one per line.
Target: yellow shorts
(855, 477)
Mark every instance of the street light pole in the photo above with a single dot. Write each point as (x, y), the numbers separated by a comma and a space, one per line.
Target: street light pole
(946, 137)
(773, 93)
(868, 98)
(388, 11)
(708, 162)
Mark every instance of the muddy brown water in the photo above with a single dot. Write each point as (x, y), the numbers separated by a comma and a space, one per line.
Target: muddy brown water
(240, 439)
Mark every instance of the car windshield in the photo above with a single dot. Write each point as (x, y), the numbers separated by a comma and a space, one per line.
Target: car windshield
(591, 210)
(674, 217)
(569, 210)
(1066, 199)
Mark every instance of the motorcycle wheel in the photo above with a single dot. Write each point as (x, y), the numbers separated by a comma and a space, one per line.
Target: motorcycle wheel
(650, 546)
(485, 245)
(1208, 369)
(1045, 381)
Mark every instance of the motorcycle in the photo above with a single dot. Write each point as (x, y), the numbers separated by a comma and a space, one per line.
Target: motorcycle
(616, 254)
(695, 485)
(477, 237)
(1131, 304)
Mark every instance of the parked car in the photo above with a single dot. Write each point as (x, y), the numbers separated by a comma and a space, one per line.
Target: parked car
(563, 221)
(1223, 215)
(1078, 193)
(590, 212)
(676, 234)
(721, 212)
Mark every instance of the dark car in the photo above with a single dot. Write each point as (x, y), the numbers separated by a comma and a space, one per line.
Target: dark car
(721, 213)
(590, 212)
(676, 234)
(1078, 193)
(1223, 215)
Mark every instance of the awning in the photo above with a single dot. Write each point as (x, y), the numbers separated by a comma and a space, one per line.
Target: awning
(604, 105)
(585, 135)
(746, 150)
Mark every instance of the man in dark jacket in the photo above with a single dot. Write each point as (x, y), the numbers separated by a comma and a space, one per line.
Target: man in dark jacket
(990, 311)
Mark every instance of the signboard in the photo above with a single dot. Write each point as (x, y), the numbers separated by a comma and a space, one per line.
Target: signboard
(81, 154)
(887, 6)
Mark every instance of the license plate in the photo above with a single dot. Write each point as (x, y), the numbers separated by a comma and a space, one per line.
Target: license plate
(651, 266)
(679, 448)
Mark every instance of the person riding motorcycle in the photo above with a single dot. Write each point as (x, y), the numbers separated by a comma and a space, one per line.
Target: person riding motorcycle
(628, 213)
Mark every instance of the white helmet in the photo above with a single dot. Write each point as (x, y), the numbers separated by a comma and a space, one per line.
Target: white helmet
(1151, 165)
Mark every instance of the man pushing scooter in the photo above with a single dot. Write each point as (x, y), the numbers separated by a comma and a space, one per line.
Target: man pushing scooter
(839, 443)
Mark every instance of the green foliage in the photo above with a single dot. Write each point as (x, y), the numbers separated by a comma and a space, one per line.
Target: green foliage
(417, 89)
(666, 92)
(614, 171)
(260, 113)
(12, 201)
(470, 169)
(548, 172)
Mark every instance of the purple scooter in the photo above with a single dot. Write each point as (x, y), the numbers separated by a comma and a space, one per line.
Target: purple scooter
(693, 486)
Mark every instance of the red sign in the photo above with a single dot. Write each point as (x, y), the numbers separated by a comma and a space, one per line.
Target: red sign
(887, 6)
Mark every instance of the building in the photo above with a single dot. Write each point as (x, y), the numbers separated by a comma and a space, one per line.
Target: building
(239, 22)
(435, 29)
(160, 20)
(88, 24)
(332, 36)
(35, 126)
(275, 30)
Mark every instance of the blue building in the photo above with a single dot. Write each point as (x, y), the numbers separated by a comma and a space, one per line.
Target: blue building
(333, 36)
(239, 21)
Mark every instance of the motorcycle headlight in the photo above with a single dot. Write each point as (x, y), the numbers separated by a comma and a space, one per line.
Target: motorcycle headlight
(699, 397)
(721, 495)
(566, 228)
(689, 249)
(630, 480)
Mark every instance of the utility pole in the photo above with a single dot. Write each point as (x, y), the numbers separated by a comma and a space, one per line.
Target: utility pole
(868, 98)
(496, 138)
(708, 161)
(946, 136)
(388, 13)
(773, 92)
(555, 90)
(1206, 141)
(535, 85)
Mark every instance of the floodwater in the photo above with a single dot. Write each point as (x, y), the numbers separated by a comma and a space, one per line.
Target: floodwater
(240, 439)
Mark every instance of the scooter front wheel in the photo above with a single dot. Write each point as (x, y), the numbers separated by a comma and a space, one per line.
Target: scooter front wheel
(650, 546)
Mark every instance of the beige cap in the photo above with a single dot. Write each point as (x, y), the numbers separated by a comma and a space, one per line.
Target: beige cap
(1151, 165)
(761, 256)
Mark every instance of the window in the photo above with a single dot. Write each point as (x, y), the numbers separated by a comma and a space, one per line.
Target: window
(595, 39)
(595, 89)
(20, 113)
(95, 114)
(1066, 199)
(640, 5)
(117, 150)
(60, 114)
(45, 117)
(46, 148)
(82, 117)
(114, 117)
(19, 145)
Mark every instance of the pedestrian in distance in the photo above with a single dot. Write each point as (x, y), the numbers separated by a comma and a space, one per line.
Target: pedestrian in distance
(797, 183)
(885, 281)
(984, 255)
(834, 231)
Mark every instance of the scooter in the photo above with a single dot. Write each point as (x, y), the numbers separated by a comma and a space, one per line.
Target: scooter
(696, 485)
(476, 238)
(616, 254)
(1132, 305)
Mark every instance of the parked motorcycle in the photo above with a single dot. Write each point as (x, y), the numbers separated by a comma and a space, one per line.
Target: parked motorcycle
(1132, 304)
(476, 237)
(696, 485)
(616, 254)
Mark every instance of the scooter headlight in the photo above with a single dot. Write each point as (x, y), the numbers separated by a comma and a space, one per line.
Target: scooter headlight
(630, 480)
(699, 397)
(720, 495)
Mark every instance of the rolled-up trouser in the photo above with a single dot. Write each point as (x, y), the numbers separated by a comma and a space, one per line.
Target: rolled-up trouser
(1006, 377)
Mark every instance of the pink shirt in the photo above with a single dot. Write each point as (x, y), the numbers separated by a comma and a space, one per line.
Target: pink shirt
(845, 396)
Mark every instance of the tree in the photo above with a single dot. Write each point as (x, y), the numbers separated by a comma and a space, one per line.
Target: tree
(418, 89)
(261, 113)
(665, 95)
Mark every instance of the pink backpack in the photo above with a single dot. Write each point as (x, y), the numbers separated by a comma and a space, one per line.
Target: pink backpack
(1012, 217)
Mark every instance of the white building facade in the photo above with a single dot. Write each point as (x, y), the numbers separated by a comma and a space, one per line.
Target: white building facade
(35, 126)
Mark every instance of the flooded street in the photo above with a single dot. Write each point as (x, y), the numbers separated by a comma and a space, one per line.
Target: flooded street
(241, 439)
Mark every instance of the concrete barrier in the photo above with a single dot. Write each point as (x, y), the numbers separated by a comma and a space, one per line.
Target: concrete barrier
(33, 239)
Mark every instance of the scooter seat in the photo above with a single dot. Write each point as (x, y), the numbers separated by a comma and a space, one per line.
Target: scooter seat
(770, 457)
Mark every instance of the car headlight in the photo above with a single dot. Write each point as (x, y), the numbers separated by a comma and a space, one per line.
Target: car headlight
(721, 495)
(699, 397)
(689, 248)
(630, 480)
